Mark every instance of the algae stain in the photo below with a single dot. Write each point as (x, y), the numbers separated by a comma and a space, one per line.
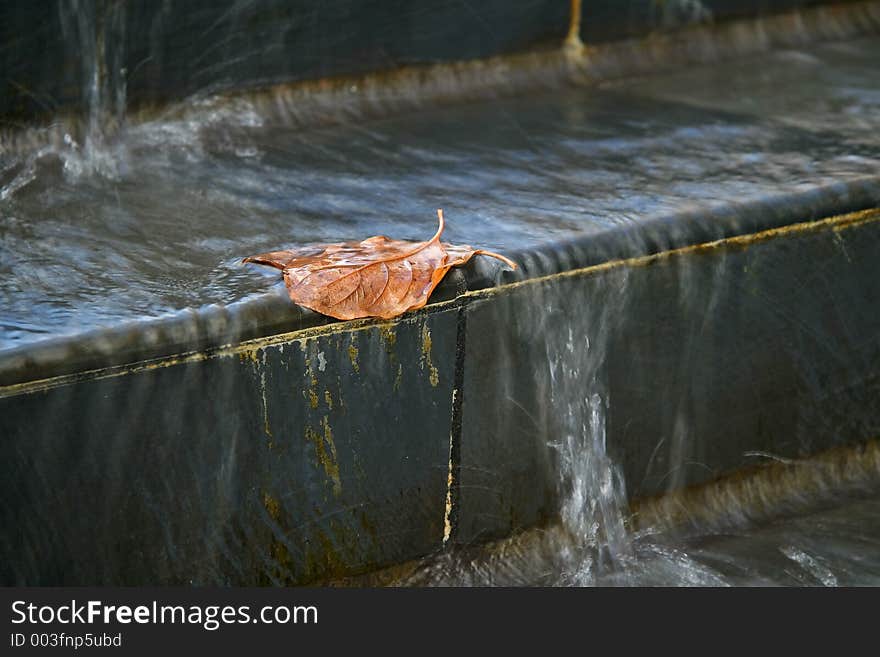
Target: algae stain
(399, 378)
(425, 360)
(283, 564)
(323, 559)
(340, 401)
(267, 429)
(353, 354)
(369, 528)
(325, 451)
(328, 399)
(389, 337)
(250, 355)
(311, 394)
(257, 359)
(272, 506)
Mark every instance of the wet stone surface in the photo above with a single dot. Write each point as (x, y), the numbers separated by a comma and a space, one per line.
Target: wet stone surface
(158, 221)
(692, 366)
(325, 453)
(272, 464)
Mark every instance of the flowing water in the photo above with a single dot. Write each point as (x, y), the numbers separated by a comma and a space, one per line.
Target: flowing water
(153, 217)
(123, 221)
(810, 523)
(828, 545)
(787, 523)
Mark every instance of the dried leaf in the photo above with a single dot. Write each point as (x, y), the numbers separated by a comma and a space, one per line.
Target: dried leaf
(378, 277)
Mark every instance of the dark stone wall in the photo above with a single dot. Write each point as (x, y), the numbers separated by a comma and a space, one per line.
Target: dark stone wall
(287, 461)
(327, 452)
(696, 364)
(172, 49)
(610, 20)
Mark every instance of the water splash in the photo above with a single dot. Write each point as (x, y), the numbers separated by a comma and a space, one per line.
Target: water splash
(768, 527)
(811, 564)
(592, 489)
(94, 31)
(91, 143)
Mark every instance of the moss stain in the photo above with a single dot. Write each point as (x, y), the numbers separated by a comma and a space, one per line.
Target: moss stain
(282, 561)
(325, 452)
(250, 356)
(353, 354)
(311, 393)
(399, 378)
(256, 358)
(339, 400)
(389, 338)
(323, 559)
(272, 506)
(425, 360)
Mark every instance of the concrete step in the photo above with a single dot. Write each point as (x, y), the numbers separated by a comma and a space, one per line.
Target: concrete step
(702, 257)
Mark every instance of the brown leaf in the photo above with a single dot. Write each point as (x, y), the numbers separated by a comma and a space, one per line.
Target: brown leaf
(377, 277)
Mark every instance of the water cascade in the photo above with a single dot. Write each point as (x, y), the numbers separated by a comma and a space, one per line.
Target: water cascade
(677, 385)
